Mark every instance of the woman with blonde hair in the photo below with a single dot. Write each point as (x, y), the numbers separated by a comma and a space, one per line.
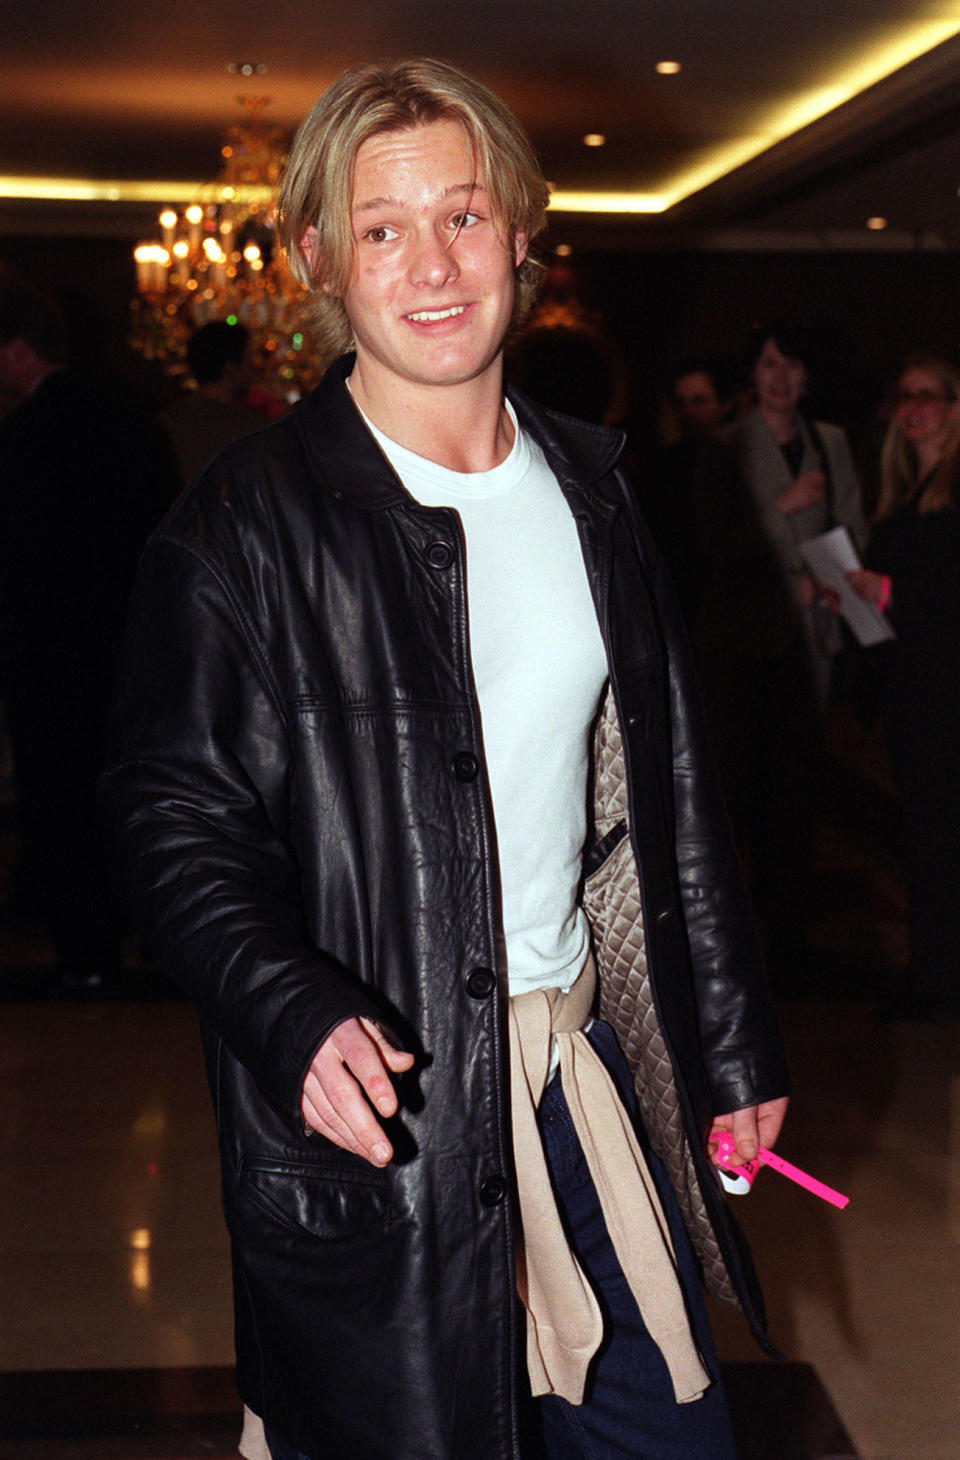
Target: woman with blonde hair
(913, 573)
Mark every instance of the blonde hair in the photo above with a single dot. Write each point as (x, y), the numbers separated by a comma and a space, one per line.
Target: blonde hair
(387, 97)
(898, 464)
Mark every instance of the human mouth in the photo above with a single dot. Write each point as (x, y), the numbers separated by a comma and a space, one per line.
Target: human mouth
(434, 316)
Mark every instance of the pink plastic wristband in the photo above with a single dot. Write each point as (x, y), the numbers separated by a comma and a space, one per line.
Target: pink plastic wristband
(725, 1152)
(810, 1183)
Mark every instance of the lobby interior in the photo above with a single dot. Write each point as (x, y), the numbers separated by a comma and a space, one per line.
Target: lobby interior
(115, 1308)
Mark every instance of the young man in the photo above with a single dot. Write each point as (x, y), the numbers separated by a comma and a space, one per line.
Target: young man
(409, 763)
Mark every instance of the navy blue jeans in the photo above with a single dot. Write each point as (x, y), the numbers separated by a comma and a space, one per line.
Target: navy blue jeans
(629, 1412)
(628, 1409)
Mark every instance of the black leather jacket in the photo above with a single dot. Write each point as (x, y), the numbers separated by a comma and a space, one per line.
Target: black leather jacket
(298, 795)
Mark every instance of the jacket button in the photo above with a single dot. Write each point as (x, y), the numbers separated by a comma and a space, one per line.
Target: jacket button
(492, 1191)
(466, 767)
(439, 554)
(481, 983)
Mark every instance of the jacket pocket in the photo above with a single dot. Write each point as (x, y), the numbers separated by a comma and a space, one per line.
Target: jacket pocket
(602, 849)
(323, 1202)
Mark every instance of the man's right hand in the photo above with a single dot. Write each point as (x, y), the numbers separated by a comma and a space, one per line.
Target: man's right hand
(354, 1062)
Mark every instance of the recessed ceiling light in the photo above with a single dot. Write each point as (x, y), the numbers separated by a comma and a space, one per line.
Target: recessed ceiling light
(246, 68)
(668, 68)
(876, 224)
(594, 139)
(563, 250)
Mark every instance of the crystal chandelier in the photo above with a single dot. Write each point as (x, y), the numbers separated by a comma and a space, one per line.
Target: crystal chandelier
(220, 259)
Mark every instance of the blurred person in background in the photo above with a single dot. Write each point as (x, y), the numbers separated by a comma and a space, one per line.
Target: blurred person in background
(700, 402)
(767, 641)
(700, 397)
(203, 421)
(913, 573)
(81, 485)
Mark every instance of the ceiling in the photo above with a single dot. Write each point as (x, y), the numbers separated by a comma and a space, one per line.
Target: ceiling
(732, 147)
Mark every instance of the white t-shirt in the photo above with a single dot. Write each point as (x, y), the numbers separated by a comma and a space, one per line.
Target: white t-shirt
(539, 670)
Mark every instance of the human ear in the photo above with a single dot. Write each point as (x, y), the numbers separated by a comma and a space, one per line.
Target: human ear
(310, 248)
(520, 241)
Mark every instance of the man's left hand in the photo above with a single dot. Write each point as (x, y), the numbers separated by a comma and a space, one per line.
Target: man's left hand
(751, 1128)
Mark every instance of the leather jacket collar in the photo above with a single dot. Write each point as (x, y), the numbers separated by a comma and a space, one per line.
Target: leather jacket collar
(334, 435)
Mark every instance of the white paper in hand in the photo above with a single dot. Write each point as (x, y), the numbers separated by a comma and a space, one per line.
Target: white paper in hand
(830, 557)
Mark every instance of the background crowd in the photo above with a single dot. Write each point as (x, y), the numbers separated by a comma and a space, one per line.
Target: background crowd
(750, 478)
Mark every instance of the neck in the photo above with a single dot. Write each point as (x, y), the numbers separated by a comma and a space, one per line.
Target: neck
(783, 424)
(464, 426)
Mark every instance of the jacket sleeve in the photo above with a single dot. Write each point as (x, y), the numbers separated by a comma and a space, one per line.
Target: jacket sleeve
(194, 799)
(847, 496)
(740, 1036)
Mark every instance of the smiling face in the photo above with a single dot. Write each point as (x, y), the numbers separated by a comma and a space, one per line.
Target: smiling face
(431, 288)
(924, 409)
(780, 380)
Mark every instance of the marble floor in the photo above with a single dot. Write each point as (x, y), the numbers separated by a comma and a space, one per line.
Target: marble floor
(113, 1258)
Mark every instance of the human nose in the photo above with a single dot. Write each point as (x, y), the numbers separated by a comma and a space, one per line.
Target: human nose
(434, 260)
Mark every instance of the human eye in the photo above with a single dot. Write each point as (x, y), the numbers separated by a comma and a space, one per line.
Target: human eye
(464, 218)
(380, 233)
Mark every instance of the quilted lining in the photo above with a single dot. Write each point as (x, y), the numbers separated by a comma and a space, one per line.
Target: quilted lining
(611, 900)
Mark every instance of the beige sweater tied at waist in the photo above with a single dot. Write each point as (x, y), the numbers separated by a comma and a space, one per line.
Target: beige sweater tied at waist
(564, 1323)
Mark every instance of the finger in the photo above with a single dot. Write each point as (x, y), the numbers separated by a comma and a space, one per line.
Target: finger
(362, 1048)
(324, 1118)
(746, 1134)
(350, 1068)
(346, 1064)
(333, 1104)
(720, 1123)
(395, 1058)
(770, 1120)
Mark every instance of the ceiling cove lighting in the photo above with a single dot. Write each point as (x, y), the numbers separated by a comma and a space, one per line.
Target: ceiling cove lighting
(98, 190)
(760, 134)
(881, 61)
(576, 202)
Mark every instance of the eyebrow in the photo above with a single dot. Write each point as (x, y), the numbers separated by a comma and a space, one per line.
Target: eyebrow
(466, 189)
